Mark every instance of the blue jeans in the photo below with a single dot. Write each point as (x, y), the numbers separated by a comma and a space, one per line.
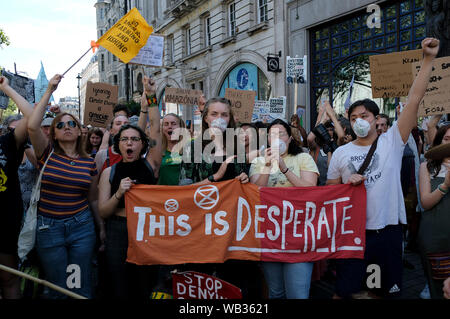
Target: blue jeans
(288, 280)
(64, 242)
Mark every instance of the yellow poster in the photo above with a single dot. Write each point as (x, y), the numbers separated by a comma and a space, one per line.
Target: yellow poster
(126, 38)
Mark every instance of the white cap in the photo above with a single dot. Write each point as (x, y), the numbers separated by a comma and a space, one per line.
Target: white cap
(47, 121)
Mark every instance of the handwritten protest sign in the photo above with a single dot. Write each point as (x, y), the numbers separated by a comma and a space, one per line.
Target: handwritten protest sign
(100, 101)
(182, 96)
(391, 73)
(229, 220)
(437, 96)
(242, 103)
(127, 36)
(152, 53)
(22, 85)
(195, 285)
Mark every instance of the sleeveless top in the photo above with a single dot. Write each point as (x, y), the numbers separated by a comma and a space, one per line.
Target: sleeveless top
(140, 171)
(111, 159)
(434, 228)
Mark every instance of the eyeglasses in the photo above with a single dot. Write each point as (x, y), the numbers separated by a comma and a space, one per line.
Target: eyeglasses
(132, 138)
(72, 124)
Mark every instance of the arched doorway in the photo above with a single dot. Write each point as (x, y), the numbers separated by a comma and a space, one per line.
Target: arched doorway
(341, 49)
(247, 76)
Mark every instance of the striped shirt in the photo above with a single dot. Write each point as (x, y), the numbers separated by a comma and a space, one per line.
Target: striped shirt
(65, 185)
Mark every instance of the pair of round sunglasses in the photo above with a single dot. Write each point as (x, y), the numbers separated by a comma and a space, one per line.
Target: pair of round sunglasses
(60, 125)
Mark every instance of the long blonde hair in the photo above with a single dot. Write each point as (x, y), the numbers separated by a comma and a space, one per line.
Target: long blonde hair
(164, 141)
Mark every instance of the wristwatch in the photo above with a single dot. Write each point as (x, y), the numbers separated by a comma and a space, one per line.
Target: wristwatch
(211, 178)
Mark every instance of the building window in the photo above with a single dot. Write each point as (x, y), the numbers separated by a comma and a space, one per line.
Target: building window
(140, 85)
(188, 42)
(262, 11)
(171, 48)
(207, 31)
(232, 19)
(102, 63)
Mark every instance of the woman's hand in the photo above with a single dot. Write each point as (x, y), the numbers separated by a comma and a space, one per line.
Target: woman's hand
(446, 163)
(269, 156)
(149, 85)
(282, 165)
(243, 178)
(54, 82)
(125, 185)
(4, 82)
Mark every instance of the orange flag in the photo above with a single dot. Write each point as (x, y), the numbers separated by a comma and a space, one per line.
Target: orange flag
(126, 38)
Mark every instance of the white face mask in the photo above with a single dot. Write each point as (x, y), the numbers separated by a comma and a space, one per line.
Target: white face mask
(220, 123)
(361, 127)
(279, 145)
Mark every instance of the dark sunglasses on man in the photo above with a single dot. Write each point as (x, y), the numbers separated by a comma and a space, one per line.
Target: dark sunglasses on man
(60, 125)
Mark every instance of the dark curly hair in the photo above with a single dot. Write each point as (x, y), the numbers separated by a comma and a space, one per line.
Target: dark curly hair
(144, 139)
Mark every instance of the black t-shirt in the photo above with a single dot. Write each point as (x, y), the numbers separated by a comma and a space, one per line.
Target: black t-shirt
(139, 170)
(10, 159)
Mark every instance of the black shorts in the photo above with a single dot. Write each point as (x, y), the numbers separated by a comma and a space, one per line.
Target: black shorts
(10, 223)
(384, 256)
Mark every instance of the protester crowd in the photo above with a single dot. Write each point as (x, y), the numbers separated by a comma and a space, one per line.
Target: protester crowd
(81, 217)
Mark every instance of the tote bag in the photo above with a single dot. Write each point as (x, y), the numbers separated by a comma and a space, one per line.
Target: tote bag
(27, 236)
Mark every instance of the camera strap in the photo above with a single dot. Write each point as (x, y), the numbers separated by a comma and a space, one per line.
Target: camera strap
(366, 162)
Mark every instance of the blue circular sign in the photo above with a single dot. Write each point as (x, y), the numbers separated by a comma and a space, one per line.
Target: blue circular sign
(242, 78)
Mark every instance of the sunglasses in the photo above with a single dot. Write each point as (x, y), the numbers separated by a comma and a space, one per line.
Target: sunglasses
(72, 124)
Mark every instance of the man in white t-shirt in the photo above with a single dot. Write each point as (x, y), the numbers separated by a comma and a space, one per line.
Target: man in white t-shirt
(385, 203)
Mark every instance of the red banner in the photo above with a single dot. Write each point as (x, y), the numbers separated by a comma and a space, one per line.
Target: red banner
(195, 285)
(229, 220)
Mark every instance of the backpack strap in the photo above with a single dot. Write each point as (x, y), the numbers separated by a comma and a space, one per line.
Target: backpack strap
(149, 167)
(111, 174)
(366, 162)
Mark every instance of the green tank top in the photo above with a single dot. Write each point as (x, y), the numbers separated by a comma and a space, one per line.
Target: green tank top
(169, 172)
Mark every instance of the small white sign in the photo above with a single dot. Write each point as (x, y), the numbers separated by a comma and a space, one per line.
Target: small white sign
(152, 53)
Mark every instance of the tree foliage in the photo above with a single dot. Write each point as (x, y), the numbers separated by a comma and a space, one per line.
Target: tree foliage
(4, 39)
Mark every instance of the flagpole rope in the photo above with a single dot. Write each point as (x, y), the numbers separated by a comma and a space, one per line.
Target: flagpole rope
(42, 282)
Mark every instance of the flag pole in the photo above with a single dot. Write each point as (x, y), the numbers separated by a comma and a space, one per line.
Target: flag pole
(77, 61)
(42, 282)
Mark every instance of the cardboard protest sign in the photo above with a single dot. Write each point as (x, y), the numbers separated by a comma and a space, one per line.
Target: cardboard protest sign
(437, 95)
(127, 37)
(182, 96)
(242, 103)
(152, 53)
(21, 84)
(100, 101)
(391, 73)
(229, 220)
(195, 285)
(277, 108)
